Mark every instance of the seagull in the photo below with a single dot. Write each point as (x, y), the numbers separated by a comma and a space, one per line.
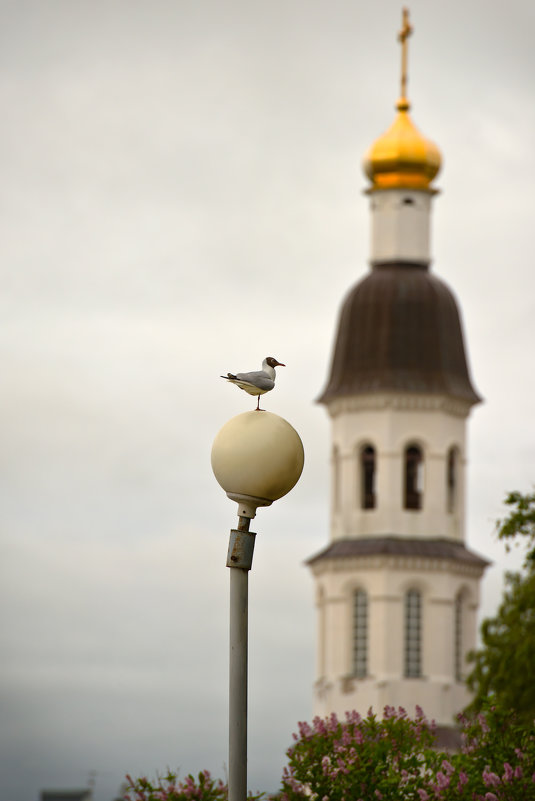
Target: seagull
(257, 382)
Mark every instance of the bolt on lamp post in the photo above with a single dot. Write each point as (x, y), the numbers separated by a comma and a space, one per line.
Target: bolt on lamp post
(257, 457)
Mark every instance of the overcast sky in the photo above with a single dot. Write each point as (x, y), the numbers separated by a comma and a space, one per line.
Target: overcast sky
(181, 195)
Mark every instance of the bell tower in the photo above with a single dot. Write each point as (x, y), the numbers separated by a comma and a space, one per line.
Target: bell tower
(397, 590)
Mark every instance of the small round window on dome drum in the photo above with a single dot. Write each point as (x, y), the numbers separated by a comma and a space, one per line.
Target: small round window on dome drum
(408, 201)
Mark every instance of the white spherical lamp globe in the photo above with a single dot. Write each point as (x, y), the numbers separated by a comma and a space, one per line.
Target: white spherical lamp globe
(257, 457)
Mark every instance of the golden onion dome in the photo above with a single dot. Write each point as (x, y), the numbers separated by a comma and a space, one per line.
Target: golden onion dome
(402, 158)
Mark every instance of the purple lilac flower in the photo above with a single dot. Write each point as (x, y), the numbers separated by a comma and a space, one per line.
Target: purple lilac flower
(468, 745)
(518, 772)
(508, 772)
(424, 796)
(332, 722)
(491, 779)
(346, 737)
(443, 781)
(319, 725)
(483, 723)
(294, 784)
(304, 729)
(353, 717)
(463, 778)
(342, 765)
(491, 797)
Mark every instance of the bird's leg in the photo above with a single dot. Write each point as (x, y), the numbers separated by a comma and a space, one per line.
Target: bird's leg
(258, 404)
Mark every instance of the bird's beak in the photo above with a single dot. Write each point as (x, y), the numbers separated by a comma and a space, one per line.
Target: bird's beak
(280, 364)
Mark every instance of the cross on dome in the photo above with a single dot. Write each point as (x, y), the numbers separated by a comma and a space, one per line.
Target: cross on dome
(403, 35)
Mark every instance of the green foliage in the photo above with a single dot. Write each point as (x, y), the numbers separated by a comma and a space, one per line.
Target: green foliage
(519, 522)
(503, 667)
(498, 757)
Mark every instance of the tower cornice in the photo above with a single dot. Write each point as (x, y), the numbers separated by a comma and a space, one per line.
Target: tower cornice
(399, 402)
(397, 553)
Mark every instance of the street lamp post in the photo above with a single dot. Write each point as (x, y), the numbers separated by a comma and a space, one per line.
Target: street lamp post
(257, 457)
(240, 556)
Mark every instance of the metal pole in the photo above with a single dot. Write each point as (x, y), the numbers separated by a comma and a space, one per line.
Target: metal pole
(240, 555)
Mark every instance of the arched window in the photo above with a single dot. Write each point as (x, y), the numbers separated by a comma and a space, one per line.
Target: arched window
(413, 634)
(367, 477)
(360, 634)
(458, 650)
(414, 477)
(452, 479)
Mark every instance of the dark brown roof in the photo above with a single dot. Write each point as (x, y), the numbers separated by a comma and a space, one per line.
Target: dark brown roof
(448, 738)
(400, 330)
(400, 546)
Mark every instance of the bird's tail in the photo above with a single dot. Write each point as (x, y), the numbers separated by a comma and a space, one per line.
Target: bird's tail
(228, 375)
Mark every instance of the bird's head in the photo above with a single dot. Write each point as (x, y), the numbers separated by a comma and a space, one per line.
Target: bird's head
(273, 362)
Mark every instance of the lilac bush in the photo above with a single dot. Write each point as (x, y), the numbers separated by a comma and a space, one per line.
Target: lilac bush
(496, 761)
(390, 759)
(359, 758)
(396, 759)
(169, 788)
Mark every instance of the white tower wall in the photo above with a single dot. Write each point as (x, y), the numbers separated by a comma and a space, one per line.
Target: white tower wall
(440, 690)
(400, 226)
(389, 423)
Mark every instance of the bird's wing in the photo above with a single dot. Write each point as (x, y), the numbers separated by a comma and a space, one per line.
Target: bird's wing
(257, 379)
